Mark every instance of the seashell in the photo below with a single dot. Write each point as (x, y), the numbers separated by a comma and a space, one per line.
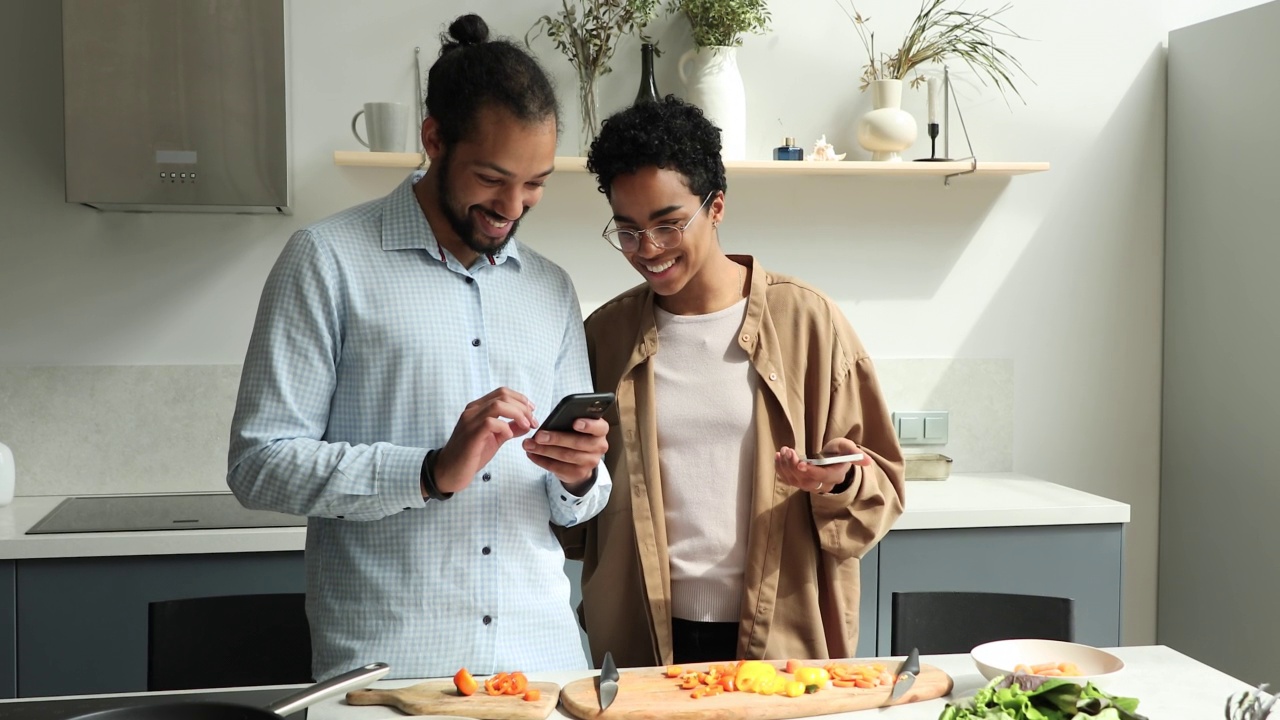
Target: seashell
(822, 150)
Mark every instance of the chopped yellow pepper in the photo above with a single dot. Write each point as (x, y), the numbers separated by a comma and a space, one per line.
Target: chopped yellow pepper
(753, 674)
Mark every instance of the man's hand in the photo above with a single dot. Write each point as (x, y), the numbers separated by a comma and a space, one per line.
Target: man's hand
(482, 428)
(794, 471)
(570, 456)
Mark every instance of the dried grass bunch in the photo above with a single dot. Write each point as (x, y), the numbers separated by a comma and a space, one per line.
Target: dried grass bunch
(938, 33)
(587, 31)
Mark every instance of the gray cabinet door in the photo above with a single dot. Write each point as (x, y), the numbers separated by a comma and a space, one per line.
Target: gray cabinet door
(8, 631)
(82, 622)
(867, 615)
(1076, 561)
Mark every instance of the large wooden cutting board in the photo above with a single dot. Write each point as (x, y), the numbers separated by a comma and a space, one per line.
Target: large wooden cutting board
(440, 697)
(647, 694)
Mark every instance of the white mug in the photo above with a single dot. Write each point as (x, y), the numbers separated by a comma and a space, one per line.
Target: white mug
(387, 124)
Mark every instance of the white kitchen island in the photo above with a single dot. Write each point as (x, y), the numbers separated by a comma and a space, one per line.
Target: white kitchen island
(1168, 685)
(79, 623)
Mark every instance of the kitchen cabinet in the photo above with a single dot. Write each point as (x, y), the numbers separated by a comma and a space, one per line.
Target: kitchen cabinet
(1082, 562)
(82, 622)
(73, 607)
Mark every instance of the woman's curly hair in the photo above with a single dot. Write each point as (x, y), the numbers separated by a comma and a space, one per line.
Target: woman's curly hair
(670, 134)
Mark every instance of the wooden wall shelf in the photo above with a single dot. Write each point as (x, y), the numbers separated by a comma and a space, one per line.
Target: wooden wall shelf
(352, 158)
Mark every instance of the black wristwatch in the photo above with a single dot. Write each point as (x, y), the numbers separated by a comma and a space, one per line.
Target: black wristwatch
(428, 478)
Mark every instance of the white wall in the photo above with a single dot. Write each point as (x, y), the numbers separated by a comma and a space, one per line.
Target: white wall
(1059, 273)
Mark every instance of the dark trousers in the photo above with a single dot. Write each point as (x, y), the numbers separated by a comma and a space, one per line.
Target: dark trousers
(697, 642)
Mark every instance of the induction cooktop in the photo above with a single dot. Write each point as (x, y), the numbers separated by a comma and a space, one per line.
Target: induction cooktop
(183, 511)
(64, 708)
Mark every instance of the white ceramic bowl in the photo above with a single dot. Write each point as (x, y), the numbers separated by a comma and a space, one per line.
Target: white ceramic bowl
(1001, 657)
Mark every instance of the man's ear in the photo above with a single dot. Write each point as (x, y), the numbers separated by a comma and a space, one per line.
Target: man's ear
(432, 142)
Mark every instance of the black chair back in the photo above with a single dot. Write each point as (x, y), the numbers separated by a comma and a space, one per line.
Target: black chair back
(228, 641)
(957, 622)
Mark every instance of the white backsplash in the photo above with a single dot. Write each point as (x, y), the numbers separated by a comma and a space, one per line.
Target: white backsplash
(78, 430)
(978, 394)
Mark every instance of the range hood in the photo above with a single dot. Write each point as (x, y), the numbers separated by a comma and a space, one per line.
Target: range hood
(176, 105)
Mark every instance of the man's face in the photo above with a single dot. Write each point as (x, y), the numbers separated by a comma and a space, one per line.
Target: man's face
(491, 178)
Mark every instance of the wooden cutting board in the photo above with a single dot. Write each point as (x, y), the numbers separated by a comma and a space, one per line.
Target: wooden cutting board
(647, 694)
(440, 697)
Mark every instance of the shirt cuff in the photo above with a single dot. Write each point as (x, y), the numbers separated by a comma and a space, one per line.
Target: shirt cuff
(400, 479)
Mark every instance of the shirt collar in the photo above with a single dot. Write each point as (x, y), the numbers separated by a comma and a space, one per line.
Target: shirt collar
(405, 227)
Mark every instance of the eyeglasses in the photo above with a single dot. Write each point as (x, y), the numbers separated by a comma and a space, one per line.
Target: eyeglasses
(662, 236)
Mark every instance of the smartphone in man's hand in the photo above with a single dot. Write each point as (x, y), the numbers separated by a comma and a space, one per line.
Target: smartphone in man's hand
(574, 406)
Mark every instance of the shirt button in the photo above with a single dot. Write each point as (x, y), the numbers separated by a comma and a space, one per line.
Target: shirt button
(486, 551)
(470, 280)
(475, 343)
(772, 376)
(746, 338)
(487, 619)
(486, 477)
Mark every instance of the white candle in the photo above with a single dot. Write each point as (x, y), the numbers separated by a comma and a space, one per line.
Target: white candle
(933, 100)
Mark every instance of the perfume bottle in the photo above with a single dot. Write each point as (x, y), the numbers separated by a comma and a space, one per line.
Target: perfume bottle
(648, 86)
(788, 150)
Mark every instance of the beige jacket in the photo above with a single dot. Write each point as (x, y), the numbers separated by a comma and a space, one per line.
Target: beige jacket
(801, 584)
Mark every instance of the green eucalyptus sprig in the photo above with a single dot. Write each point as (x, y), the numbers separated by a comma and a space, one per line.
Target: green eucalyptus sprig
(723, 22)
(587, 31)
(938, 33)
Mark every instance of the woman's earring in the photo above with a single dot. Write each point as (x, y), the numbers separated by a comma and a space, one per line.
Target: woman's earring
(715, 224)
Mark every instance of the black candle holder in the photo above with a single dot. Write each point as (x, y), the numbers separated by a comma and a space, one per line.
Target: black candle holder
(933, 146)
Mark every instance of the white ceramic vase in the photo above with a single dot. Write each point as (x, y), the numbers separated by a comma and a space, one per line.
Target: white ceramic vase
(888, 129)
(714, 84)
(7, 474)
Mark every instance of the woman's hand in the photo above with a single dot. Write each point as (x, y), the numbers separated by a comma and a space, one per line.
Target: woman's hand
(794, 471)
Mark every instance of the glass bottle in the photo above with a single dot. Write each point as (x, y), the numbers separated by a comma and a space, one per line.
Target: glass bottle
(648, 86)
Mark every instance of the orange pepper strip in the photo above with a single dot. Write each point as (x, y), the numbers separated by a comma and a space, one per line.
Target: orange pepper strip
(840, 682)
(517, 683)
(493, 685)
(533, 695)
(464, 682)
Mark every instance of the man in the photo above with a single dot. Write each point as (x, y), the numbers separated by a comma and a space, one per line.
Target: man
(722, 540)
(368, 399)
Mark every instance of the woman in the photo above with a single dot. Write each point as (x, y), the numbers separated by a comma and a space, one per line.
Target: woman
(720, 541)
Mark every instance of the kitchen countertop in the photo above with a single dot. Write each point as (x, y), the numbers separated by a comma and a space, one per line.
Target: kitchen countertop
(1168, 685)
(962, 501)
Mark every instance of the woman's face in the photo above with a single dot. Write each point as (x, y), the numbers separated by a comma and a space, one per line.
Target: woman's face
(651, 197)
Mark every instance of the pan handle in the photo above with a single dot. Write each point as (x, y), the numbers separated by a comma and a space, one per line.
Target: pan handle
(352, 680)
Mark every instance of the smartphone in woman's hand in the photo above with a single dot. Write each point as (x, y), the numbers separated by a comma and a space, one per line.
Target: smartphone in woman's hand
(824, 459)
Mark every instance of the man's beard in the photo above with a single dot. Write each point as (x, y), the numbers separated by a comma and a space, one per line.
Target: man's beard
(464, 225)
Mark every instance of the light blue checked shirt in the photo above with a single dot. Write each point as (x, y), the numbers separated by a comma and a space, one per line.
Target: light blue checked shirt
(369, 342)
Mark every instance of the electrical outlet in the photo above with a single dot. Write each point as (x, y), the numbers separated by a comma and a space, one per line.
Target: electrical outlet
(922, 427)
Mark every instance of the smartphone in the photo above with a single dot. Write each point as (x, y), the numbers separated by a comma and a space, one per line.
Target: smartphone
(833, 459)
(574, 406)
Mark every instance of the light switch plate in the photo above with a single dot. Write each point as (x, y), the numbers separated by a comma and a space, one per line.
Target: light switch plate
(922, 427)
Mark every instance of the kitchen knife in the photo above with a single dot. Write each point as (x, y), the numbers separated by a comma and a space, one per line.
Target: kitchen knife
(608, 681)
(906, 675)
